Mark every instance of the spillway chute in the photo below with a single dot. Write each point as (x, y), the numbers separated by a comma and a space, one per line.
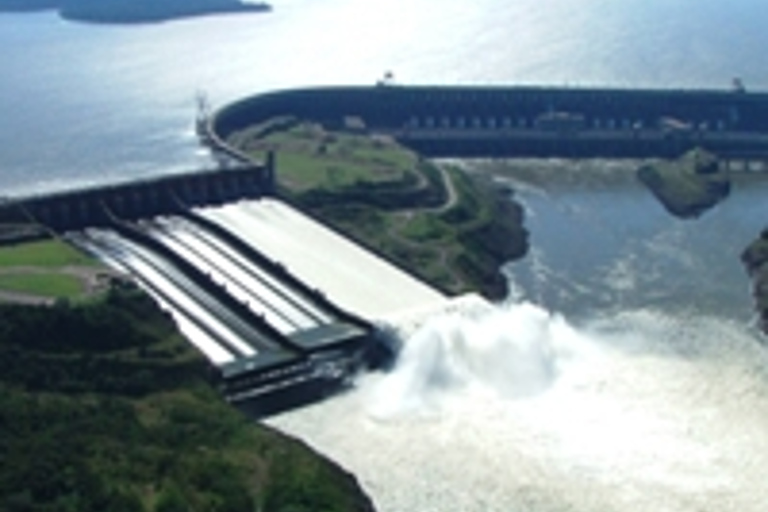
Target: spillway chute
(275, 337)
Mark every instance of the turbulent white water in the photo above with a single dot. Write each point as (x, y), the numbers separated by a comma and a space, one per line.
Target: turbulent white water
(513, 409)
(645, 389)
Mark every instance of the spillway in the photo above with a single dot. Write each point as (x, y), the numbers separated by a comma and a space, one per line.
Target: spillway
(239, 277)
(174, 290)
(347, 274)
(270, 314)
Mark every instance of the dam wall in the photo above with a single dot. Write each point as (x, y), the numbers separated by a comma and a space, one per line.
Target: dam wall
(99, 206)
(525, 121)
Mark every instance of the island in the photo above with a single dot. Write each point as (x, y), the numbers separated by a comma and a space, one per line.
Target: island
(755, 259)
(687, 186)
(132, 11)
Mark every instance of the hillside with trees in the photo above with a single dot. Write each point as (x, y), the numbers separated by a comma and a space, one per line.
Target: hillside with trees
(105, 407)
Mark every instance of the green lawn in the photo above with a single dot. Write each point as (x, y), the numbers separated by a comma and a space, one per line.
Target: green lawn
(46, 253)
(46, 284)
(37, 268)
(311, 158)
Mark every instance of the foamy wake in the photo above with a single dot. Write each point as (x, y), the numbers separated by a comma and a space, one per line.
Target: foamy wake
(511, 408)
(507, 352)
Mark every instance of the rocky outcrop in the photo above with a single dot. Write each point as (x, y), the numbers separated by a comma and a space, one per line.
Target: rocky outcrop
(501, 239)
(755, 259)
(689, 186)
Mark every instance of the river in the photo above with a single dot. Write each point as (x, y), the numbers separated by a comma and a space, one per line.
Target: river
(624, 373)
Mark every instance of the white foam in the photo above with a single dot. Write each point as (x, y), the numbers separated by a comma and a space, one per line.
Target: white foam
(513, 409)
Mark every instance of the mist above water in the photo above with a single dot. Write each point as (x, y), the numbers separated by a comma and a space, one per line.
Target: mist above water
(458, 355)
(514, 409)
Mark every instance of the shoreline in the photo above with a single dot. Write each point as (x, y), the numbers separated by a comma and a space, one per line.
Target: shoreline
(755, 261)
(125, 12)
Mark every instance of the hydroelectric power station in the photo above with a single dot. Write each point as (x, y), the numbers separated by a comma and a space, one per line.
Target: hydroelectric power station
(288, 309)
(442, 121)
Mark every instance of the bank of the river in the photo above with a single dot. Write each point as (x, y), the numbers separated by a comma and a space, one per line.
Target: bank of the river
(449, 228)
(104, 406)
(755, 258)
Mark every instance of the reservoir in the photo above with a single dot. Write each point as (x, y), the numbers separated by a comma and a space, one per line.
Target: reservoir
(623, 373)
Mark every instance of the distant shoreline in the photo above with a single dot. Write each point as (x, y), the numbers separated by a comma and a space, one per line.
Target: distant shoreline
(128, 12)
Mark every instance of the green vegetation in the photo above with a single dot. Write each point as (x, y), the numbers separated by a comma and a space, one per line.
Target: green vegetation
(451, 230)
(755, 259)
(688, 186)
(48, 284)
(43, 253)
(48, 269)
(104, 407)
(312, 158)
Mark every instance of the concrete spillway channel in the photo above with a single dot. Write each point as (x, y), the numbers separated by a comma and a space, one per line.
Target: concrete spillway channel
(280, 306)
(202, 328)
(215, 339)
(276, 341)
(241, 335)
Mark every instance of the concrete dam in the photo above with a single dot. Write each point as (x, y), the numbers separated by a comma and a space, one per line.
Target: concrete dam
(98, 206)
(440, 121)
(288, 309)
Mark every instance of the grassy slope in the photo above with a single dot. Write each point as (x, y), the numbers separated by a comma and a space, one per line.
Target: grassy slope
(385, 196)
(103, 407)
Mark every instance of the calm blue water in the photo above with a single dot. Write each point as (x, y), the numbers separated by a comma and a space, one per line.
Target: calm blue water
(83, 104)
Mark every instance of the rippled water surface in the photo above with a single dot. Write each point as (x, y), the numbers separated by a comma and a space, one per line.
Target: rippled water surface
(84, 103)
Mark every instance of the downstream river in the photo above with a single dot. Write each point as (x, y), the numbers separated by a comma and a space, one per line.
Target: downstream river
(624, 372)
